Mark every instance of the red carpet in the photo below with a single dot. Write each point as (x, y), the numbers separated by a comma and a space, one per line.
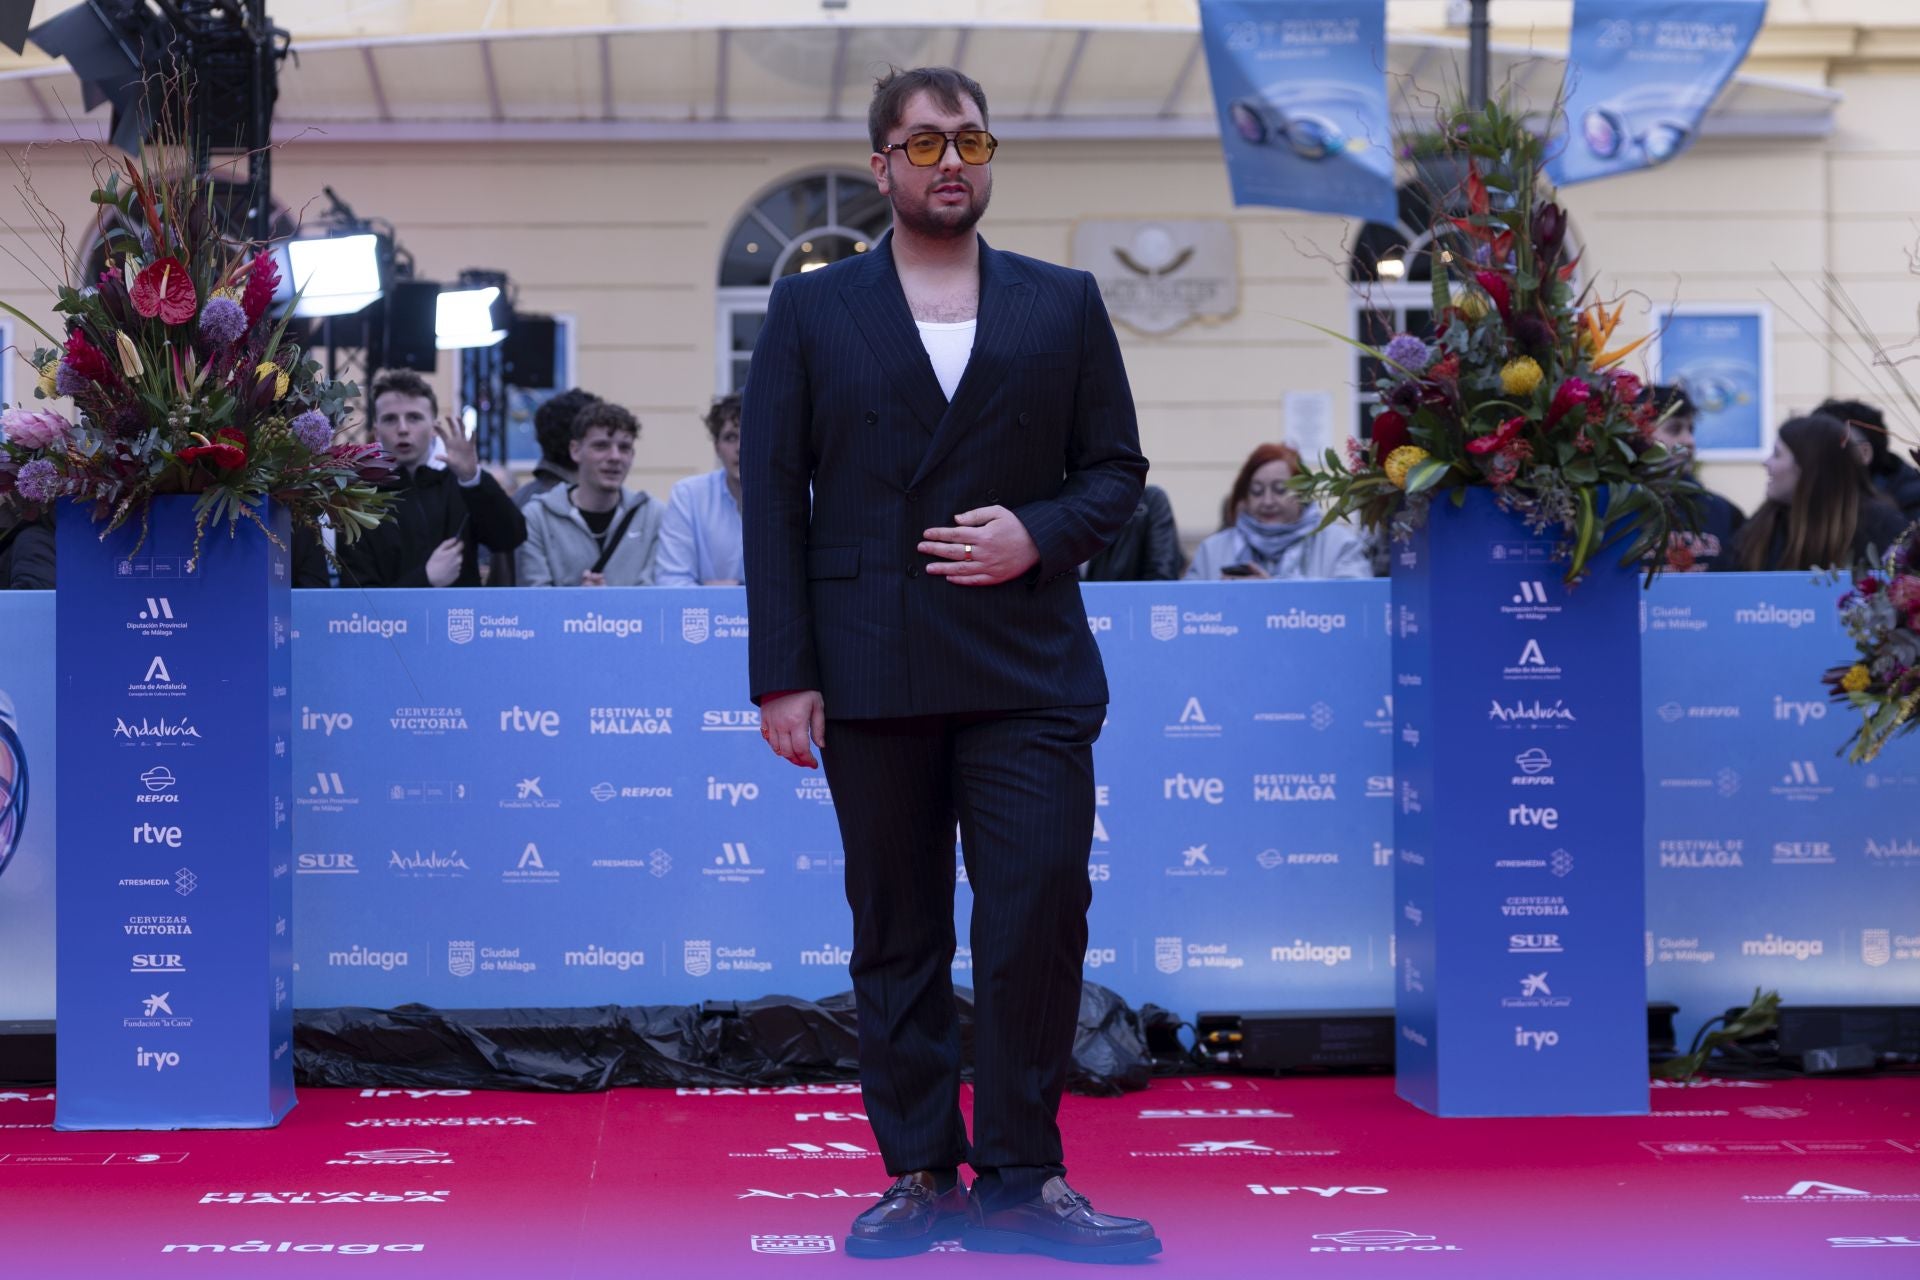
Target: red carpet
(1241, 1177)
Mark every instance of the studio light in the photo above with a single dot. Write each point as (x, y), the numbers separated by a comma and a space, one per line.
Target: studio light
(335, 275)
(471, 315)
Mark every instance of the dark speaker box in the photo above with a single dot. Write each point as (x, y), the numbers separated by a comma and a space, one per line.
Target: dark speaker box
(403, 331)
(529, 351)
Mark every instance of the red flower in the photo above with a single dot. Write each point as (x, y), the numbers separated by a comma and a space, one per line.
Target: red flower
(1626, 387)
(1389, 432)
(228, 448)
(1503, 469)
(164, 289)
(1583, 442)
(1869, 586)
(1572, 394)
(1679, 553)
(1499, 439)
(86, 359)
(263, 277)
(1496, 286)
(1446, 369)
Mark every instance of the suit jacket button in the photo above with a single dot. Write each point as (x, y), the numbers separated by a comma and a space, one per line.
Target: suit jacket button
(913, 571)
(872, 416)
(1023, 419)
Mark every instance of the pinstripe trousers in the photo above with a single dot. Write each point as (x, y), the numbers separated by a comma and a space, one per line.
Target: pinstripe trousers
(1020, 785)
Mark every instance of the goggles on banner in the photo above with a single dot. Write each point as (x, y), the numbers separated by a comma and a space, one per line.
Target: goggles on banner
(1264, 123)
(976, 146)
(1606, 134)
(13, 783)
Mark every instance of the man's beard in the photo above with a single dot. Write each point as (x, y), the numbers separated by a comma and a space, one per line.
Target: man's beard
(944, 224)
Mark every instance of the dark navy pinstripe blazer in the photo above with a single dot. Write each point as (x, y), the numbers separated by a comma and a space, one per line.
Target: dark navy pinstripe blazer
(849, 450)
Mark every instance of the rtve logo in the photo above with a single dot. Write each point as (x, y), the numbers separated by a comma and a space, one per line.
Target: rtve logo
(1522, 815)
(1181, 787)
(517, 719)
(149, 833)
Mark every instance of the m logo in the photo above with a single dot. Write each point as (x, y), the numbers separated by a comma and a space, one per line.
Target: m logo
(1167, 955)
(1192, 713)
(697, 958)
(1164, 621)
(1801, 773)
(327, 784)
(460, 959)
(530, 857)
(460, 626)
(157, 670)
(159, 609)
(1531, 593)
(733, 855)
(1876, 947)
(693, 625)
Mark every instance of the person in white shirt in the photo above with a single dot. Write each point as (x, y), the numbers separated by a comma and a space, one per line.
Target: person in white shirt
(700, 536)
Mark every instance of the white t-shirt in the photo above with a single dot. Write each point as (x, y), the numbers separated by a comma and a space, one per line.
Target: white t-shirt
(948, 346)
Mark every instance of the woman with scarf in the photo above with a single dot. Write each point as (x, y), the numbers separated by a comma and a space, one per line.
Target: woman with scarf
(1267, 532)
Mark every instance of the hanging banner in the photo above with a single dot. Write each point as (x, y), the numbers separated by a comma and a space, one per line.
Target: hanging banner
(1301, 91)
(1640, 77)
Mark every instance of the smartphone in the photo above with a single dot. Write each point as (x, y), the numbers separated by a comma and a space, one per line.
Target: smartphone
(1236, 571)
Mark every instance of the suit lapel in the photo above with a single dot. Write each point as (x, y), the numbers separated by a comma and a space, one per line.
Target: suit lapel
(1005, 298)
(879, 307)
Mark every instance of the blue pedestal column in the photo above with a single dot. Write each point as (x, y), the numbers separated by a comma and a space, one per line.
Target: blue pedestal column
(1519, 881)
(174, 903)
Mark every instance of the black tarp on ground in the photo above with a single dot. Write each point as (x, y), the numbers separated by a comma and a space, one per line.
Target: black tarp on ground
(776, 1040)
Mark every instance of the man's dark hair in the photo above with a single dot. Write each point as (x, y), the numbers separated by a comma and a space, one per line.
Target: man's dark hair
(892, 91)
(402, 382)
(724, 409)
(553, 423)
(1869, 421)
(1670, 400)
(603, 413)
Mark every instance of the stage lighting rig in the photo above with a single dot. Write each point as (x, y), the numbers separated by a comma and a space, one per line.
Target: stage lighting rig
(475, 313)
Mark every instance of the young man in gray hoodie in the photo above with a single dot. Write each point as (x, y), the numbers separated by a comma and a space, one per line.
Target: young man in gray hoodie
(594, 532)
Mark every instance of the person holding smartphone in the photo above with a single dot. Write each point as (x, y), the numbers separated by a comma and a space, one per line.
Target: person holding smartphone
(1268, 532)
(442, 516)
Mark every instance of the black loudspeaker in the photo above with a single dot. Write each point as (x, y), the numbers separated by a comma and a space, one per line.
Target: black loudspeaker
(528, 353)
(403, 331)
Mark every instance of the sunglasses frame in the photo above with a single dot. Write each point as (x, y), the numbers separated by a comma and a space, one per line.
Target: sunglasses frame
(950, 137)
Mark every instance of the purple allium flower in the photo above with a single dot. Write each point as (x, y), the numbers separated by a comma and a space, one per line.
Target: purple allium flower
(312, 430)
(39, 481)
(69, 383)
(223, 322)
(1408, 352)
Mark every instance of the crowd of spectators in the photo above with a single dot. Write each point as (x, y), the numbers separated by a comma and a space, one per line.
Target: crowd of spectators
(1834, 490)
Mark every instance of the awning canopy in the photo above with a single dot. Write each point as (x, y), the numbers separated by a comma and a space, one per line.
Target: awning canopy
(679, 83)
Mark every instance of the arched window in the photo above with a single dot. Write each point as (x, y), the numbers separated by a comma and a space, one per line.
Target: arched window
(802, 225)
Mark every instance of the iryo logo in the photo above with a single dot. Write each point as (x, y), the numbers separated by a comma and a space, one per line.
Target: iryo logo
(1535, 1040)
(1798, 712)
(325, 721)
(732, 792)
(158, 1061)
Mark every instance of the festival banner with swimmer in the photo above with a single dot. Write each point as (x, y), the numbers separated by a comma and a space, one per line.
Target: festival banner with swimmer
(1301, 91)
(1640, 77)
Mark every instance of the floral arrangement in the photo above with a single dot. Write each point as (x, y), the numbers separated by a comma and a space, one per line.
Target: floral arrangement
(183, 380)
(1518, 386)
(1882, 614)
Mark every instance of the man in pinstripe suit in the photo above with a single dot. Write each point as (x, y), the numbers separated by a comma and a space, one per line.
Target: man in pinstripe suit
(935, 436)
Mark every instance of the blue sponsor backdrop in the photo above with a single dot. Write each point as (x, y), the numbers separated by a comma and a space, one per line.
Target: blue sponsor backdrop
(174, 930)
(490, 811)
(1300, 88)
(1723, 356)
(1640, 77)
(1519, 890)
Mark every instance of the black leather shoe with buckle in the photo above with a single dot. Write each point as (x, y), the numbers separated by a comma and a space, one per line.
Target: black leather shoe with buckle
(909, 1218)
(1060, 1223)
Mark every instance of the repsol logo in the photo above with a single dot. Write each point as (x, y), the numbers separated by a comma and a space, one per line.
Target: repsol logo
(358, 624)
(604, 958)
(1772, 615)
(1534, 1040)
(1793, 948)
(367, 958)
(1297, 619)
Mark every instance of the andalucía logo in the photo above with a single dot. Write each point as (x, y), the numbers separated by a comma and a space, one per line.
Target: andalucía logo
(156, 731)
(1534, 714)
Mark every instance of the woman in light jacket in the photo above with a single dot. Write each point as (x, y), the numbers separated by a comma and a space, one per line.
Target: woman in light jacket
(1268, 532)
